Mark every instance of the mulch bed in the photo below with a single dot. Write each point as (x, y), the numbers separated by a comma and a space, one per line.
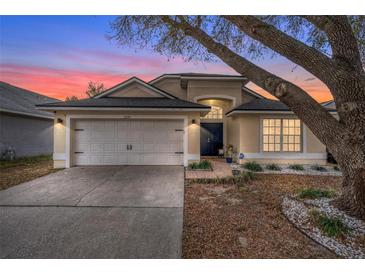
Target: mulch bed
(14, 175)
(224, 221)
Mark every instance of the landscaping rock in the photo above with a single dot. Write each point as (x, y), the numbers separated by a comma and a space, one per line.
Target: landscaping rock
(298, 212)
(243, 241)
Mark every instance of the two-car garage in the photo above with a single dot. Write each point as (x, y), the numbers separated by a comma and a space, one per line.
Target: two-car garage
(127, 142)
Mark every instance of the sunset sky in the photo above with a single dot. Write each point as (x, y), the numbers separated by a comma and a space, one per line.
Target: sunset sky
(58, 55)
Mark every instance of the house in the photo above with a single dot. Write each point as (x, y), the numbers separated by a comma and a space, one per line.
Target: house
(23, 128)
(177, 118)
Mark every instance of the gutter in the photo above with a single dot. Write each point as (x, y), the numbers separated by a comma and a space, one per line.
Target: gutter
(26, 114)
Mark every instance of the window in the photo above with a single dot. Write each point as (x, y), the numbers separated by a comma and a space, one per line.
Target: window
(281, 135)
(272, 134)
(215, 113)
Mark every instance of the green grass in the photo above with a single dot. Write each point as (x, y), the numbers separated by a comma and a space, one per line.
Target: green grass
(253, 166)
(296, 167)
(273, 167)
(314, 193)
(330, 226)
(319, 168)
(205, 164)
(22, 161)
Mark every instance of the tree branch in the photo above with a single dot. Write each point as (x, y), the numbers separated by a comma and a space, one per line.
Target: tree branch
(304, 106)
(309, 58)
(342, 39)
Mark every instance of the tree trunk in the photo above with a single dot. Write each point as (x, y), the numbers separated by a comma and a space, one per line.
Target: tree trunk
(351, 159)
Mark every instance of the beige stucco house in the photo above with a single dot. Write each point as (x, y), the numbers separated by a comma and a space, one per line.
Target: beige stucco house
(178, 118)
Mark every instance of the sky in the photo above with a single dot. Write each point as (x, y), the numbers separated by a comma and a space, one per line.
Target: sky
(58, 55)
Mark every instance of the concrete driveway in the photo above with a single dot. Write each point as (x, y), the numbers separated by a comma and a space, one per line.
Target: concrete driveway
(95, 212)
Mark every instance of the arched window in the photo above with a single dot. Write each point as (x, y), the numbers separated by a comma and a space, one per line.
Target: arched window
(215, 114)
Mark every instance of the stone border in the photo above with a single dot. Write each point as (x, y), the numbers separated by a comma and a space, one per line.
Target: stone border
(285, 170)
(297, 212)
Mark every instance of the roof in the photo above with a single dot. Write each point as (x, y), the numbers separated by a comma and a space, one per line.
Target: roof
(21, 101)
(263, 105)
(130, 81)
(198, 75)
(252, 93)
(126, 102)
(329, 104)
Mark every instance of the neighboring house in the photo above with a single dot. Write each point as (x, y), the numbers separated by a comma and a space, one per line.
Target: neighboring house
(23, 128)
(177, 118)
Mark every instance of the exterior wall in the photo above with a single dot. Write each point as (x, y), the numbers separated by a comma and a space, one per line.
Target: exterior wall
(215, 89)
(173, 87)
(29, 136)
(59, 154)
(134, 90)
(250, 143)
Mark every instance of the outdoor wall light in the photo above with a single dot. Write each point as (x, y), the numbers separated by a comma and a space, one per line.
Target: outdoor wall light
(59, 121)
(193, 121)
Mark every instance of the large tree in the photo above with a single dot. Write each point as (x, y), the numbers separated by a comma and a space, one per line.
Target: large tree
(330, 47)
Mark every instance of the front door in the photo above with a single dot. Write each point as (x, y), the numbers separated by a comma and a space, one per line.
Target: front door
(211, 138)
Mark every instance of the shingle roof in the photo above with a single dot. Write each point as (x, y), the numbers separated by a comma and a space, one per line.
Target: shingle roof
(263, 105)
(17, 100)
(126, 102)
(193, 74)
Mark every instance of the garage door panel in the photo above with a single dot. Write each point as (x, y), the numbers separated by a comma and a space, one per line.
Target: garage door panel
(105, 142)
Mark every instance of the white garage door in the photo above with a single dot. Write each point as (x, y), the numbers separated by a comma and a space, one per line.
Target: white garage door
(128, 142)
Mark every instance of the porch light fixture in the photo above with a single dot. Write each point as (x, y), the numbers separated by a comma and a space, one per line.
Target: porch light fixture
(193, 121)
(59, 121)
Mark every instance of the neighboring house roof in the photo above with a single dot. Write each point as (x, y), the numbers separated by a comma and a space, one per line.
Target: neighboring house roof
(126, 103)
(131, 81)
(21, 101)
(263, 105)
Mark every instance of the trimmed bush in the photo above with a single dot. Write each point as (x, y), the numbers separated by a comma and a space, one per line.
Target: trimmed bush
(253, 166)
(319, 168)
(314, 193)
(296, 167)
(330, 226)
(273, 167)
(205, 164)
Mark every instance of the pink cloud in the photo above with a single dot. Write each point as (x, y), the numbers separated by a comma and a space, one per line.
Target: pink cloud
(58, 83)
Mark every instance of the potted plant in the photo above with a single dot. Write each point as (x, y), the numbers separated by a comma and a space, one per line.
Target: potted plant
(229, 153)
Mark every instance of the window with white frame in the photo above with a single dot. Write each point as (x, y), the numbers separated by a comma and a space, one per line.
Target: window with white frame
(281, 135)
(216, 113)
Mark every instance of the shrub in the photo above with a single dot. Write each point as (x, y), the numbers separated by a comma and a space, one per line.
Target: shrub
(273, 167)
(336, 168)
(330, 226)
(253, 166)
(313, 193)
(296, 167)
(319, 168)
(239, 180)
(205, 164)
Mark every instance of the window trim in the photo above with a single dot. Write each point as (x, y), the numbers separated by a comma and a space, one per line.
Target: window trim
(303, 147)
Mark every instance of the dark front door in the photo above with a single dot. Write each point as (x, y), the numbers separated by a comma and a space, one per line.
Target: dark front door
(211, 138)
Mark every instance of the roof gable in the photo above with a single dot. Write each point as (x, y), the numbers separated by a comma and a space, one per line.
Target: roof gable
(134, 87)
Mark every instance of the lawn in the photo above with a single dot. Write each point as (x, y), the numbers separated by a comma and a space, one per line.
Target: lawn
(24, 169)
(224, 221)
